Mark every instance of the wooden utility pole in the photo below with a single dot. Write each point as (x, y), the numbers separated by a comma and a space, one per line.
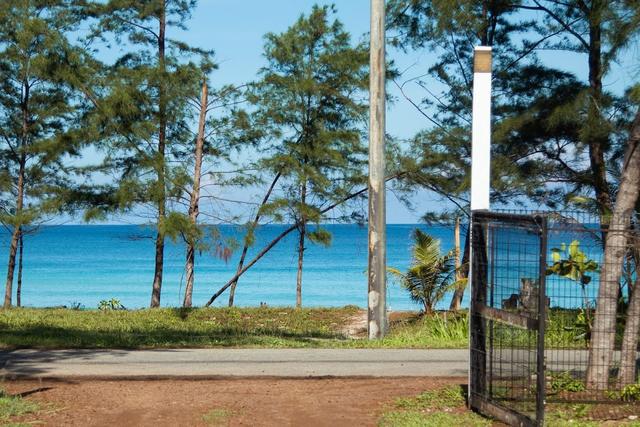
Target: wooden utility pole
(377, 302)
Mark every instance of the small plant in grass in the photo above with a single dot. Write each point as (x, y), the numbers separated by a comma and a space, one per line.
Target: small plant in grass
(565, 382)
(75, 305)
(630, 393)
(110, 304)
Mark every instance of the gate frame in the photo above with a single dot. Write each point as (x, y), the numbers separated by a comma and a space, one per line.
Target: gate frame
(480, 313)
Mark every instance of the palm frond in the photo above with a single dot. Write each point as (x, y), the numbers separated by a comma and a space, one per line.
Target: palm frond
(431, 275)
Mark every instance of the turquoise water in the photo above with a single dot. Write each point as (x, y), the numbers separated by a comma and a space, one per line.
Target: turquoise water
(84, 264)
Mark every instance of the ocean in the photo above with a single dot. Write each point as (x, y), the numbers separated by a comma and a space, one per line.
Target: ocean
(84, 264)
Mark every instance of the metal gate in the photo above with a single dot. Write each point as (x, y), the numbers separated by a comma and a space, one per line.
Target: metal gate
(508, 306)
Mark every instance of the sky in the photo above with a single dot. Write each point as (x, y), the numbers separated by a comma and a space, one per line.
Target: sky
(234, 29)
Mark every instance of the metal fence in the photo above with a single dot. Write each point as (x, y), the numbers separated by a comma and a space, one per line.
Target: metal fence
(535, 286)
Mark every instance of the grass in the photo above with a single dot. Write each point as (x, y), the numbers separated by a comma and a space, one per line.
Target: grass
(14, 406)
(439, 419)
(440, 330)
(217, 417)
(272, 327)
(276, 327)
(440, 399)
(444, 407)
(589, 415)
(171, 328)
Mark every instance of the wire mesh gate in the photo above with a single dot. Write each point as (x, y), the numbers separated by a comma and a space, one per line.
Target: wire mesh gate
(508, 305)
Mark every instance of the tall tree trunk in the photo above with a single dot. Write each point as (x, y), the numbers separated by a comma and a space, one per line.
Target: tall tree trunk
(461, 273)
(597, 137)
(628, 355)
(604, 325)
(302, 230)
(17, 230)
(11, 266)
(254, 225)
(20, 257)
(195, 195)
(160, 168)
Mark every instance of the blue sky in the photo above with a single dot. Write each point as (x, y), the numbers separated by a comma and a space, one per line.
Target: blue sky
(234, 29)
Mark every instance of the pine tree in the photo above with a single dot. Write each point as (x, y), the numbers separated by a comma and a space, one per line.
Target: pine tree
(145, 109)
(543, 117)
(40, 114)
(311, 97)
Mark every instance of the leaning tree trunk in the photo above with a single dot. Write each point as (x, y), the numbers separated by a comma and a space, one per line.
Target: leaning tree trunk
(274, 242)
(160, 171)
(628, 355)
(604, 325)
(302, 233)
(282, 235)
(20, 253)
(462, 271)
(195, 196)
(245, 249)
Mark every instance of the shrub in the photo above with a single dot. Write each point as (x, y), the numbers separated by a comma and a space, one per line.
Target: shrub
(111, 304)
(431, 274)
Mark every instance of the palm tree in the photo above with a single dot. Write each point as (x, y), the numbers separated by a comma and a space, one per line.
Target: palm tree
(431, 274)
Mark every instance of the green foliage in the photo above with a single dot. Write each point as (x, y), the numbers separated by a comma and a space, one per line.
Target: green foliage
(565, 382)
(110, 304)
(11, 406)
(42, 108)
(629, 393)
(572, 263)
(545, 120)
(148, 103)
(438, 330)
(310, 104)
(566, 328)
(431, 274)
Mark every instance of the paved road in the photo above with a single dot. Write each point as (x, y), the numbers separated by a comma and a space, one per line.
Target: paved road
(203, 363)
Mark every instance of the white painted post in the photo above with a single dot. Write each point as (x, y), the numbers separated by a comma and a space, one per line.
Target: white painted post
(481, 129)
(480, 183)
